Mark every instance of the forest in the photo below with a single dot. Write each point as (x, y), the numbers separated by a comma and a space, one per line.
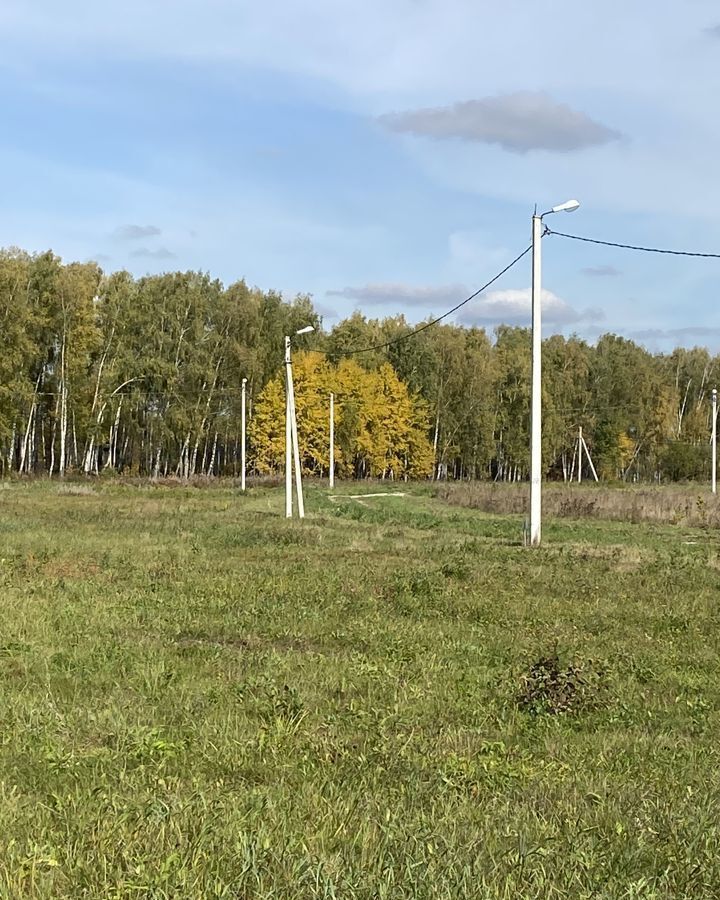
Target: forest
(141, 376)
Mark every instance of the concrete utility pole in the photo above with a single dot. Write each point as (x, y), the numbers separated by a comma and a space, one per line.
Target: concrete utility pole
(242, 445)
(714, 441)
(292, 448)
(332, 440)
(580, 449)
(296, 450)
(536, 388)
(288, 435)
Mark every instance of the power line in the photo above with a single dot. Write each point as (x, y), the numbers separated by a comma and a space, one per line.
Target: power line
(587, 240)
(427, 325)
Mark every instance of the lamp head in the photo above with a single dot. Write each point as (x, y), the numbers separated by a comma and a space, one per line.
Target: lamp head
(306, 330)
(568, 206)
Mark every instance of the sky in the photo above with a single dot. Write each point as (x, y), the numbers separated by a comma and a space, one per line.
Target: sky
(381, 156)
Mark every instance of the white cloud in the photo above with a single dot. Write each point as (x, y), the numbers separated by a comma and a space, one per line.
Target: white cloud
(513, 307)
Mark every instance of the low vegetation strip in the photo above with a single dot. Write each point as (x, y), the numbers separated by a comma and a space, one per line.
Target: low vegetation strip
(692, 505)
(392, 700)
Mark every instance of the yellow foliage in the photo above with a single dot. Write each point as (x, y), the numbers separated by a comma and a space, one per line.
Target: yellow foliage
(625, 450)
(381, 429)
(617, 456)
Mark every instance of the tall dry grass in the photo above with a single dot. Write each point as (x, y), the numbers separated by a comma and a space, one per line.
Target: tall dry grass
(692, 505)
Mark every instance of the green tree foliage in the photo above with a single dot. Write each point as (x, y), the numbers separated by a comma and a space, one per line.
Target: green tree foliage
(108, 372)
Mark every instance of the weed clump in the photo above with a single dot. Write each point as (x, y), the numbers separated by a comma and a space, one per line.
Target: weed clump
(549, 687)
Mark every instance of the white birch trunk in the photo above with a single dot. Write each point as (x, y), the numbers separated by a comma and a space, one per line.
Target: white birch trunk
(436, 437)
(52, 446)
(112, 453)
(156, 467)
(211, 465)
(63, 408)
(75, 444)
(124, 450)
(24, 454)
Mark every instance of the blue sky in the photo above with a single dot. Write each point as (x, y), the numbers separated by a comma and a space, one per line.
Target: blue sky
(380, 156)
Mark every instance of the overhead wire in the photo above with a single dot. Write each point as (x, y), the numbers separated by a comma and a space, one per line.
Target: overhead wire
(426, 325)
(588, 240)
(574, 237)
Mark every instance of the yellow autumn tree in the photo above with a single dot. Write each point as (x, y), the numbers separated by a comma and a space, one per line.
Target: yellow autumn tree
(381, 428)
(267, 428)
(313, 385)
(394, 441)
(626, 450)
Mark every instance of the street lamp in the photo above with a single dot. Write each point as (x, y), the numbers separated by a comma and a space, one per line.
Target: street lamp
(291, 437)
(536, 395)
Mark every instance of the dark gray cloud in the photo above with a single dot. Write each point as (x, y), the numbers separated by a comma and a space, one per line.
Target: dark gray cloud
(148, 253)
(601, 271)
(519, 122)
(135, 232)
(513, 307)
(404, 294)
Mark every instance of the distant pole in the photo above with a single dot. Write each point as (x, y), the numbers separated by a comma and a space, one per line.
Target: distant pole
(332, 440)
(288, 435)
(589, 459)
(536, 393)
(580, 443)
(714, 441)
(242, 446)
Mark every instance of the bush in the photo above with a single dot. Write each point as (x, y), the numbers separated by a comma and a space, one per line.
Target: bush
(550, 688)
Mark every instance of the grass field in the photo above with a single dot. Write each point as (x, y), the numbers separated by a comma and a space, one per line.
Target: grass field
(200, 699)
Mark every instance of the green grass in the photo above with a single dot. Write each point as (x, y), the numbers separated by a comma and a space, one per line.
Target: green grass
(200, 699)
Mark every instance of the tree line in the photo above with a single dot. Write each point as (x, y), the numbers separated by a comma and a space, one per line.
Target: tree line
(106, 372)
